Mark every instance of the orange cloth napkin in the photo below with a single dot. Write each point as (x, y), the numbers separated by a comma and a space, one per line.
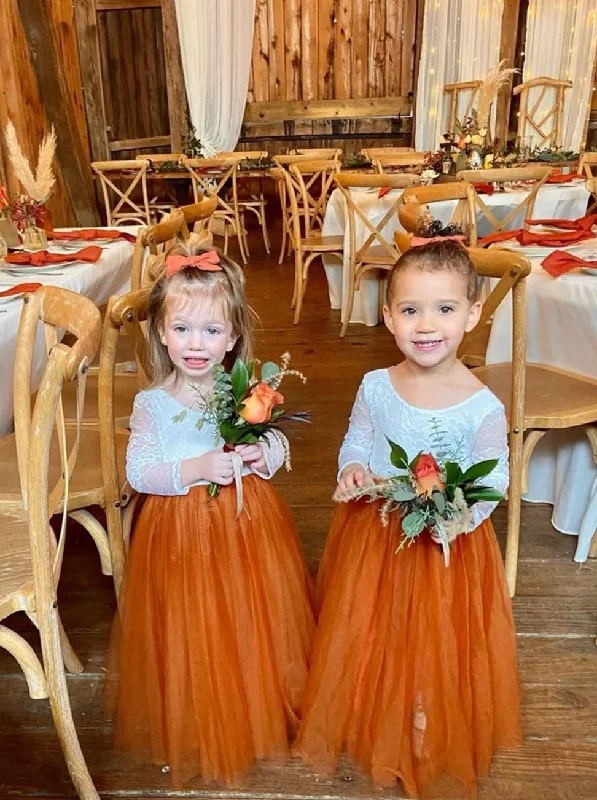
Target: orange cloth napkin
(89, 234)
(581, 224)
(43, 257)
(484, 188)
(560, 178)
(559, 262)
(525, 238)
(20, 288)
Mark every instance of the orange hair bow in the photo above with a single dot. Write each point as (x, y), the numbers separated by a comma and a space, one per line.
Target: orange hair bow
(207, 262)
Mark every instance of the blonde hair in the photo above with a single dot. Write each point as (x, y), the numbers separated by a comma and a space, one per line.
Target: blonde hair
(226, 286)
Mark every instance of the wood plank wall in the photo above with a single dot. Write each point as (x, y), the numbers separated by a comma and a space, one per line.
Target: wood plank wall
(332, 49)
(20, 100)
(133, 75)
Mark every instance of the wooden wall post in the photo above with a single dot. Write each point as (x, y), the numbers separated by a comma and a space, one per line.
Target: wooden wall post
(91, 78)
(177, 95)
(57, 105)
(508, 52)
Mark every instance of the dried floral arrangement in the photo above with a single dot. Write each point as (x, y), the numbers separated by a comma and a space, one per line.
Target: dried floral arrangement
(356, 161)
(265, 162)
(553, 154)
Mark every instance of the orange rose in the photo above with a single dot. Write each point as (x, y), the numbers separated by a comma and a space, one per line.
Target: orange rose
(259, 404)
(427, 475)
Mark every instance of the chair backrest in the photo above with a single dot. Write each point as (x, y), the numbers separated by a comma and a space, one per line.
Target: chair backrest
(540, 118)
(121, 201)
(56, 310)
(373, 234)
(155, 238)
(400, 162)
(210, 176)
(312, 182)
(318, 152)
(586, 164)
(285, 161)
(373, 153)
(454, 91)
(419, 198)
(242, 155)
(195, 213)
(535, 177)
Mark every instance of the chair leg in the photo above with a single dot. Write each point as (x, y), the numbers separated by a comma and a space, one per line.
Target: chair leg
(302, 287)
(127, 521)
(266, 242)
(283, 245)
(592, 434)
(530, 443)
(60, 705)
(116, 544)
(69, 657)
(98, 534)
(298, 276)
(27, 660)
(349, 303)
(514, 500)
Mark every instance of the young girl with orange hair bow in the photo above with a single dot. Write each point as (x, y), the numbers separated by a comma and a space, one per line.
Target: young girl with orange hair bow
(216, 620)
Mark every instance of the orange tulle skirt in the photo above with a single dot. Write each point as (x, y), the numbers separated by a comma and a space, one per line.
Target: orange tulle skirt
(211, 654)
(414, 670)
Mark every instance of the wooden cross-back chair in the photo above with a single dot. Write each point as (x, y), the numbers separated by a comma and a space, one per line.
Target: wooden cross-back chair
(419, 198)
(377, 250)
(588, 162)
(62, 310)
(283, 162)
(214, 177)
(400, 162)
(248, 199)
(546, 124)
(454, 92)
(534, 176)
(373, 153)
(308, 184)
(196, 216)
(162, 199)
(31, 553)
(121, 203)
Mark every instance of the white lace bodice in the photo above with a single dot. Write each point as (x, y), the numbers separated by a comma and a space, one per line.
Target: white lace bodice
(158, 445)
(471, 431)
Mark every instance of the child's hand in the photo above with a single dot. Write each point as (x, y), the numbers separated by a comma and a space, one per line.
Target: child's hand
(216, 467)
(252, 454)
(353, 476)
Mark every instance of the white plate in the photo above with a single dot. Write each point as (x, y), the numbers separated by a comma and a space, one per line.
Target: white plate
(31, 269)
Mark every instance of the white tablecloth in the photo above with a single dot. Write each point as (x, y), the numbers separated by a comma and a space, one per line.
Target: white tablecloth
(568, 201)
(562, 332)
(110, 275)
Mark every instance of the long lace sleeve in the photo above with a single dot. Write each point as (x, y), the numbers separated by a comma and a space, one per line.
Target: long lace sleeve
(358, 442)
(146, 468)
(492, 442)
(274, 454)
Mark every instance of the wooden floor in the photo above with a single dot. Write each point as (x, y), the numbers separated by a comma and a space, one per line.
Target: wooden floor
(556, 606)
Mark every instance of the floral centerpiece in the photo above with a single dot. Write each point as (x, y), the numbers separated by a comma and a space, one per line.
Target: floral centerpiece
(28, 210)
(244, 408)
(431, 497)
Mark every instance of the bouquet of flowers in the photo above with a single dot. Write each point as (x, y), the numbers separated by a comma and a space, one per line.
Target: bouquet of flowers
(244, 407)
(26, 213)
(428, 496)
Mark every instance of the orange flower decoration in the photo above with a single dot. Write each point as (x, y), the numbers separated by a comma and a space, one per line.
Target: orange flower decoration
(427, 475)
(260, 404)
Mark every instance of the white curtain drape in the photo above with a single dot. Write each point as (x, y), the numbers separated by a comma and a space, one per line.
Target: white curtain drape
(461, 42)
(560, 43)
(216, 39)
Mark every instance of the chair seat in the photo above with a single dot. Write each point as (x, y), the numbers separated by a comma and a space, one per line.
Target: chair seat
(377, 254)
(126, 386)
(86, 485)
(323, 243)
(553, 398)
(16, 571)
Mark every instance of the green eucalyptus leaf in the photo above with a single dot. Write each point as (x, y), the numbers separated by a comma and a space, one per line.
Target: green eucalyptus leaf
(403, 495)
(181, 416)
(269, 370)
(398, 455)
(480, 470)
(439, 501)
(413, 524)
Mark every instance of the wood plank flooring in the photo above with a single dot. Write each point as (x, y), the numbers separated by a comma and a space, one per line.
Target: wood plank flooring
(555, 609)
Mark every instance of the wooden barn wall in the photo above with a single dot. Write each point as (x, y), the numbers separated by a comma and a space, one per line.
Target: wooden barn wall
(133, 75)
(332, 49)
(20, 99)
